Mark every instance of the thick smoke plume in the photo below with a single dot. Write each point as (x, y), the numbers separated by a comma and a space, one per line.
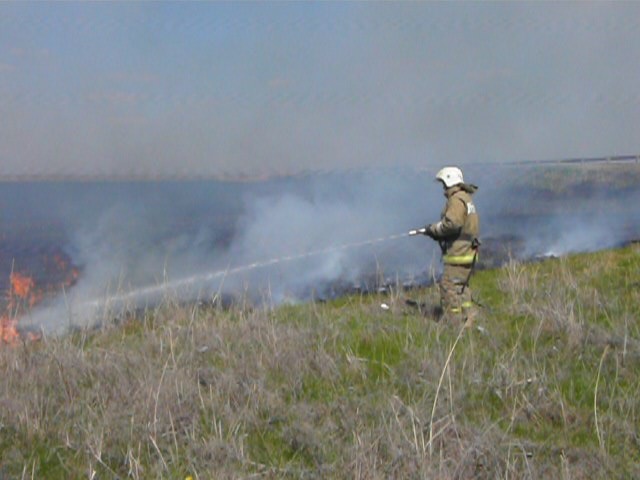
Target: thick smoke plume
(140, 243)
(153, 238)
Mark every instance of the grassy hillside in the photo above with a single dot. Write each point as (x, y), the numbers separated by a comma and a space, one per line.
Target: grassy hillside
(544, 384)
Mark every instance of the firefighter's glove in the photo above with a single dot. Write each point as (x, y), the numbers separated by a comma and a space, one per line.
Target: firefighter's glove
(430, 230)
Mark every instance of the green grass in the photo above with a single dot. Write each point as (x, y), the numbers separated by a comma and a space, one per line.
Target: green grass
(544, 384)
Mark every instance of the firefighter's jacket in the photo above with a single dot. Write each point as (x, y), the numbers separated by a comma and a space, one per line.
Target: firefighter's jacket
(459, 228)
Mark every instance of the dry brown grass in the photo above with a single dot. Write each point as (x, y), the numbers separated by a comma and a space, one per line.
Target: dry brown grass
(538, 389)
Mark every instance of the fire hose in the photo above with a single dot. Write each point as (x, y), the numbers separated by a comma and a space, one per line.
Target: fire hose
(202, 278)
(205, 277)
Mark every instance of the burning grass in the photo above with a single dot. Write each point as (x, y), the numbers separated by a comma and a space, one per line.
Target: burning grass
(26, 290)
(543, 386)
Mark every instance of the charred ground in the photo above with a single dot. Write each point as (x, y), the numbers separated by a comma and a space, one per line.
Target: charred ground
(90, 240)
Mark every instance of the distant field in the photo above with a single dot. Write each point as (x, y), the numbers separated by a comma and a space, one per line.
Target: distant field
(575, 178)
(135, 175)
(544, 384)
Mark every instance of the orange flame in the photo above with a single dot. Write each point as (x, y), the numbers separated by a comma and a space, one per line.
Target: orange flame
(23, 294)
(23, 288)
(21, 284)
(8, 330)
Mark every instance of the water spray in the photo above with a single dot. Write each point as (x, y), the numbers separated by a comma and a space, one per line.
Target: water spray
(149, 291)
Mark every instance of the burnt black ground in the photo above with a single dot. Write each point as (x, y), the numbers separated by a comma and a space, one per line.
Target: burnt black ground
(181, 222)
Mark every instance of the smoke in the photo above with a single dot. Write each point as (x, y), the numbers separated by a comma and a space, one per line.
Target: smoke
(559, 211)
(277, 226)
(294, 239)
(595, 223)
(287, 239)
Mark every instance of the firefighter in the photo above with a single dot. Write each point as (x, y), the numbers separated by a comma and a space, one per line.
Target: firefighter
(457, 233)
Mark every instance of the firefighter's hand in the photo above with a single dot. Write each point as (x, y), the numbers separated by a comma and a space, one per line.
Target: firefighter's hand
(429, 231)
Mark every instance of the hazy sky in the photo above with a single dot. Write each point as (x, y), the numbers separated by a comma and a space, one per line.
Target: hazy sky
(211, 88)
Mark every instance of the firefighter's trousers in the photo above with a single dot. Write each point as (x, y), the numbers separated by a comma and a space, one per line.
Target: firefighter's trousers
(455, 297)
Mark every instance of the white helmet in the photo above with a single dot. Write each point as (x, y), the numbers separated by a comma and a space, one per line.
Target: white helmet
(450, 176)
